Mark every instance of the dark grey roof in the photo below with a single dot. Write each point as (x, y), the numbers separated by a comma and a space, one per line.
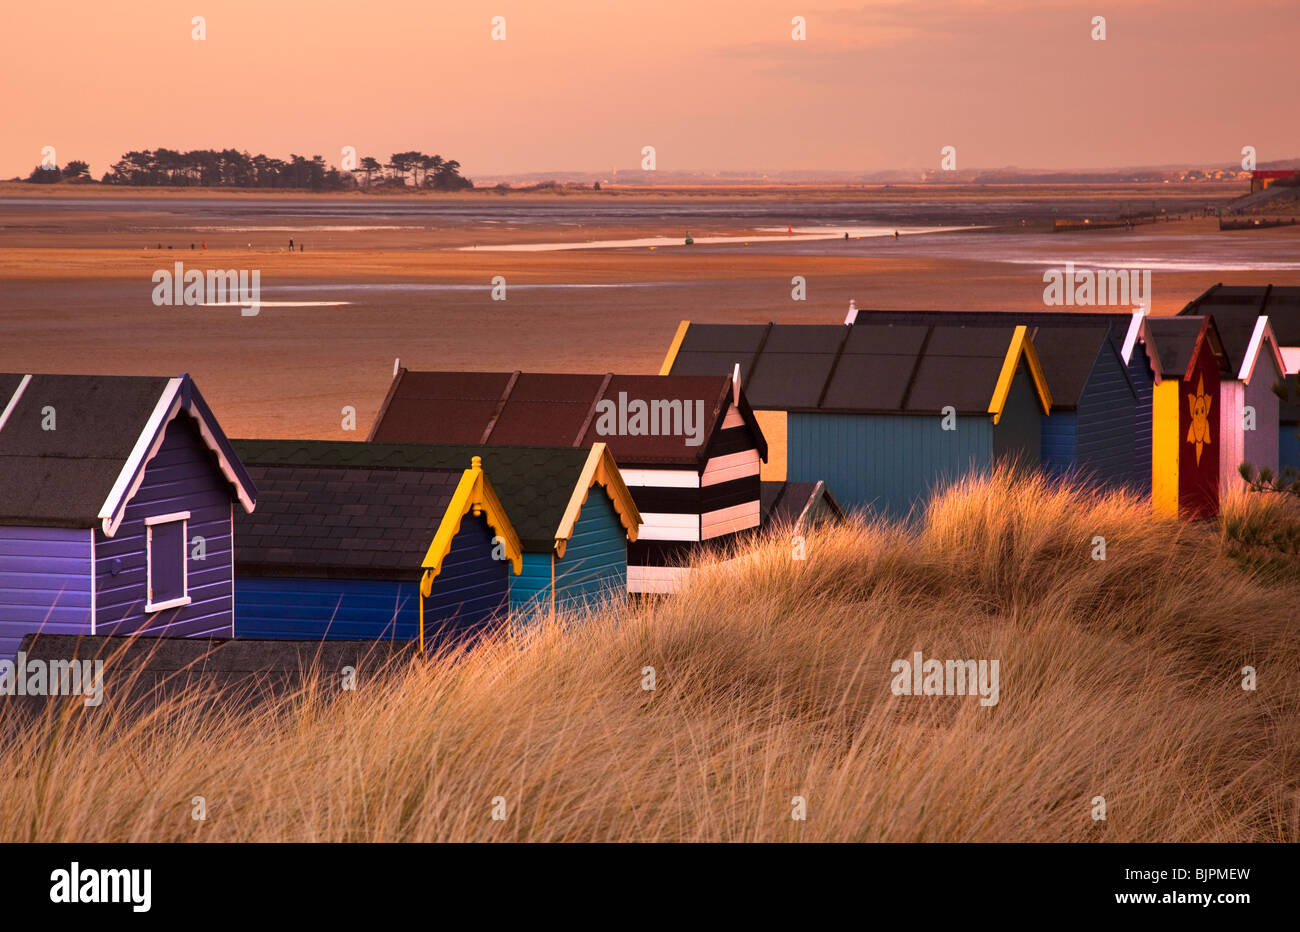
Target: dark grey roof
(62, 477)
(322, 513)
(1175, 341)
(785, 503)
(1068, 342)
(860, 369)
(1281, 303)
(534, 484)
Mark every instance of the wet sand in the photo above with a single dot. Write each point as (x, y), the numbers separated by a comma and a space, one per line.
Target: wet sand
(76, 281)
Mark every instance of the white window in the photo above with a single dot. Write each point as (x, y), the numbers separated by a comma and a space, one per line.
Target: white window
(168, 578)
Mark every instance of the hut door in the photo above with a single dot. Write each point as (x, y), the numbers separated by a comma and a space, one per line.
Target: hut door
(1199, 438)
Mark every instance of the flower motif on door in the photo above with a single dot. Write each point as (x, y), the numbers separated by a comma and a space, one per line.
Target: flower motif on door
(1199, 431)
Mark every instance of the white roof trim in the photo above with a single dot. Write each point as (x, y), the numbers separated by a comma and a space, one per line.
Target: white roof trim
(1252, 351)
(13, 402)
(132, 474)
(205, 431)
(146, 448)
(1131, 338)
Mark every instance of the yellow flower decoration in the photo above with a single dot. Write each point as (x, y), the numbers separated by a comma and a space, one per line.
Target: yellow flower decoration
(1199, 432)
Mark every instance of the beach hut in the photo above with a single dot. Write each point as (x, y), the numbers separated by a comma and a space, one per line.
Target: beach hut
(1189, 362)
(117, 499)
(1100, 423)
(688, 448)
(1099, 428)
(799, 506)
(575, 518)
(355, 542)
(883, 414)
(1236, 311)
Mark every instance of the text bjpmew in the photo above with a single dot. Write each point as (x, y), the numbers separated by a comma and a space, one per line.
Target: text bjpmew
(180, 287)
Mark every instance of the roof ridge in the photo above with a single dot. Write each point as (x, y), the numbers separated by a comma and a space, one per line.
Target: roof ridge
(916, 367)
(500, 407)
(591, 411)
(835, 364)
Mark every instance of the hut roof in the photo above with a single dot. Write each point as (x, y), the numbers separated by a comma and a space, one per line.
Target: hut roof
(106, 430)
(866, 369)
(550, 410)
(320, 517)
(1068, 342)
(535, 485)
(787, 503)
(1237, 311)
(1174, 342)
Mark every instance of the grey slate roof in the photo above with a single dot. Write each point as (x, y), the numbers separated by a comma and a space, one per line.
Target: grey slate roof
(321, 514)
(1067, 342)
(1228, 303)
(61, 477)
(855, 369)
(534, 484)
(1175, 340)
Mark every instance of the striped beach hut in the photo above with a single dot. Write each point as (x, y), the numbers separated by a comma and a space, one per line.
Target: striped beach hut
(355, 542)
(688, 448)
(1237, 310)
(117, 499)
(1189, 363)
(883, 414)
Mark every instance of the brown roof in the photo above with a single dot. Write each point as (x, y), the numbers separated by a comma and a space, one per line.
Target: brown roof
(549, 409)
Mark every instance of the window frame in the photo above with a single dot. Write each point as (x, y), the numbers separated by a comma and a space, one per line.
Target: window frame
(183, 517)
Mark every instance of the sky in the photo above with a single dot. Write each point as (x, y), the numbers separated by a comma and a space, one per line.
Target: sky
(712, 85)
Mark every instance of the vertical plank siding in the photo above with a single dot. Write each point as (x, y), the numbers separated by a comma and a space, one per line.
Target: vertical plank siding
(1107, 427)
(45, 583)
(1232, 438)
(889, 463)
(1018, 435)
(1060, 444)
(181, 477)
(1261, 446)
(1143, 382)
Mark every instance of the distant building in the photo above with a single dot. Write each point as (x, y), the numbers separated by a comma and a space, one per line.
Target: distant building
(1259, 180)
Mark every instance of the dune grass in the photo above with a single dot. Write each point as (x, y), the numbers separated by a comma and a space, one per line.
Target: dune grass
(1120, 678)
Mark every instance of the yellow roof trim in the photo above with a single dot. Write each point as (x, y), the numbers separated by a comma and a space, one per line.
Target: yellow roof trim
(473, 493)
(667, 367)
(600, 469)
(1021, 345)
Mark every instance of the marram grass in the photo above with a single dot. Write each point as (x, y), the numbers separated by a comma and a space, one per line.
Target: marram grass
(1120, 678)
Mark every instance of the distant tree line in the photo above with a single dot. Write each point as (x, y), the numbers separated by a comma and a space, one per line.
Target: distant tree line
(228, 168)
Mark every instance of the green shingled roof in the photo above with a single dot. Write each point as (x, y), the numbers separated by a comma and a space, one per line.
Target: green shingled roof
(534, 484)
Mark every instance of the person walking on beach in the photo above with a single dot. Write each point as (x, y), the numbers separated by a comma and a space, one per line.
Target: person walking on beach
(291, 245)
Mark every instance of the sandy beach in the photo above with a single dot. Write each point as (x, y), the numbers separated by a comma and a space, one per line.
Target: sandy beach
(388, 277)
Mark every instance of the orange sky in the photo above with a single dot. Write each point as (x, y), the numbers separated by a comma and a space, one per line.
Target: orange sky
(712, 84)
